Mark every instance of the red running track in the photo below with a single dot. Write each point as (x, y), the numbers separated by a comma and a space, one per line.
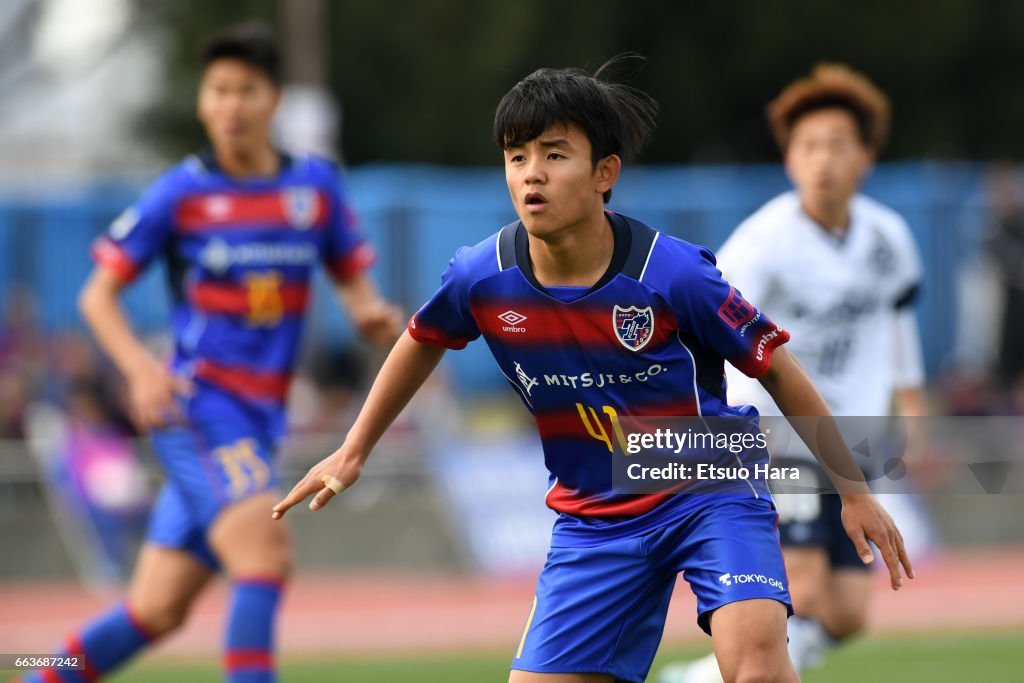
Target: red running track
(359, 613)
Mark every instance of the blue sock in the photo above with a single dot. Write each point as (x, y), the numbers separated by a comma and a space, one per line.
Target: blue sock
(106, 643)
(249, 656)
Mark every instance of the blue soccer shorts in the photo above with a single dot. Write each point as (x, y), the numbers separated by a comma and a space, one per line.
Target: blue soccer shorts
(809, 520)
(223, 454)
(602, 609)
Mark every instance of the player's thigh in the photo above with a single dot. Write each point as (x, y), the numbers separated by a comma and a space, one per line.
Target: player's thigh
(516, 676)
(845, 603)
(749, 638)
(808, 570)
(248, 542)
(165, 583)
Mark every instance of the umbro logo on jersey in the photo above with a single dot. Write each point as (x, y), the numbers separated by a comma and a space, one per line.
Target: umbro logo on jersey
(511, 317)
(217, 206)
(512, 321)
(633, 326)
(765, 339)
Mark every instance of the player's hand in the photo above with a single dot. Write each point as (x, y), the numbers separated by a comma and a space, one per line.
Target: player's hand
(865, 520)
(326, 479)
(378, 321)
(153, 393)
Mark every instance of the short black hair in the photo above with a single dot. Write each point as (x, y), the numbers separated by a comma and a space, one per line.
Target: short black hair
(252, 42)
(616, 118)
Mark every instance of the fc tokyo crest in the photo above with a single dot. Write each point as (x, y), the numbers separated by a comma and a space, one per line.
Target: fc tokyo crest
(301, 206)
(633, 326)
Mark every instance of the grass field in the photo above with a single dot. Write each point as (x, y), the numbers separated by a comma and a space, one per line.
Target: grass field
(996, 657)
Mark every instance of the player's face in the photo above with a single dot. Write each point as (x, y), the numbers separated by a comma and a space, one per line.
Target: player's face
(236, 104)
(826, 159)
(554, 182)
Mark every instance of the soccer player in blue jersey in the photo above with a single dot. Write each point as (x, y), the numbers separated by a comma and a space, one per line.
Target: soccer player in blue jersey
(590, 316)
(241, 229)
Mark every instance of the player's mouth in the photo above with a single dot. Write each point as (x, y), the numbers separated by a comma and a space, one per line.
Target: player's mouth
(535, 202)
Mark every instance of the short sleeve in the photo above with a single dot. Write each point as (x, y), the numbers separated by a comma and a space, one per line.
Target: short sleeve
(446, 320)
(346, 252)
(908, 362)
(139, 233)
(908, 275)
(721, 319)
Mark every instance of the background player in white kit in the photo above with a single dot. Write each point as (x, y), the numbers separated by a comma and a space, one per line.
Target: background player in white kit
(839, 271)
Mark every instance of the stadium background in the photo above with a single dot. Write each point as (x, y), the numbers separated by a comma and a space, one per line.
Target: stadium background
(429, 562)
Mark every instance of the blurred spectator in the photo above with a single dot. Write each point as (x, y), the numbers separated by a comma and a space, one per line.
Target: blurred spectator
(95, 481)
(75, 361)
(21, 346)
(22, 360)
(1006, 249)
(12, 405)
(323, 398)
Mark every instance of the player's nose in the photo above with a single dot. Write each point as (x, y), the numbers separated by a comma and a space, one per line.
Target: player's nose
(534, 171)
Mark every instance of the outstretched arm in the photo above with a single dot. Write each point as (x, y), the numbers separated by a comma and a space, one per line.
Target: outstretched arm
(863, 517)
(406, 369)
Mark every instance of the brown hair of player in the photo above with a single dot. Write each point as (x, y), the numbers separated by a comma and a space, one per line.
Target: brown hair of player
(832, 85)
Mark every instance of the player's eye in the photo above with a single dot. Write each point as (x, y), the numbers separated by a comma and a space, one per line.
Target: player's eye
(556, 155)
(516, 158)
(840, 144)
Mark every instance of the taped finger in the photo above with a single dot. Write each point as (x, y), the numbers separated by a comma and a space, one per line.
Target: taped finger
(321, 498)
(333, 483)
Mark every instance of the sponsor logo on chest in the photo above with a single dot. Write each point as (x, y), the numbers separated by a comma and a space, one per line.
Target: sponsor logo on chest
(217, 255)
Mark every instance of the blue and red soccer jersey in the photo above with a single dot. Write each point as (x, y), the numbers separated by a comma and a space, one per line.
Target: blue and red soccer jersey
(240, 256)
(241, 253)
(649, 339)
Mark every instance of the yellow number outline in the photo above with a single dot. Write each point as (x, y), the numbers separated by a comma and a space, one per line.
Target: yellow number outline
(263, 294)
(596, 428)
(246, 470)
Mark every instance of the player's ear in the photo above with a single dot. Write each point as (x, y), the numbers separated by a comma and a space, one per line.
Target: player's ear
(607, 172)
(200, 88)
(787, 165)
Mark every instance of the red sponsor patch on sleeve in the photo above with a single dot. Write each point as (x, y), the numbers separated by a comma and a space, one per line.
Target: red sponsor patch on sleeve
(735, 310)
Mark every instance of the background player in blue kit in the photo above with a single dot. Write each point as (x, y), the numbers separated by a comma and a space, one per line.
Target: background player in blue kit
(241, 227)
(591, 315)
